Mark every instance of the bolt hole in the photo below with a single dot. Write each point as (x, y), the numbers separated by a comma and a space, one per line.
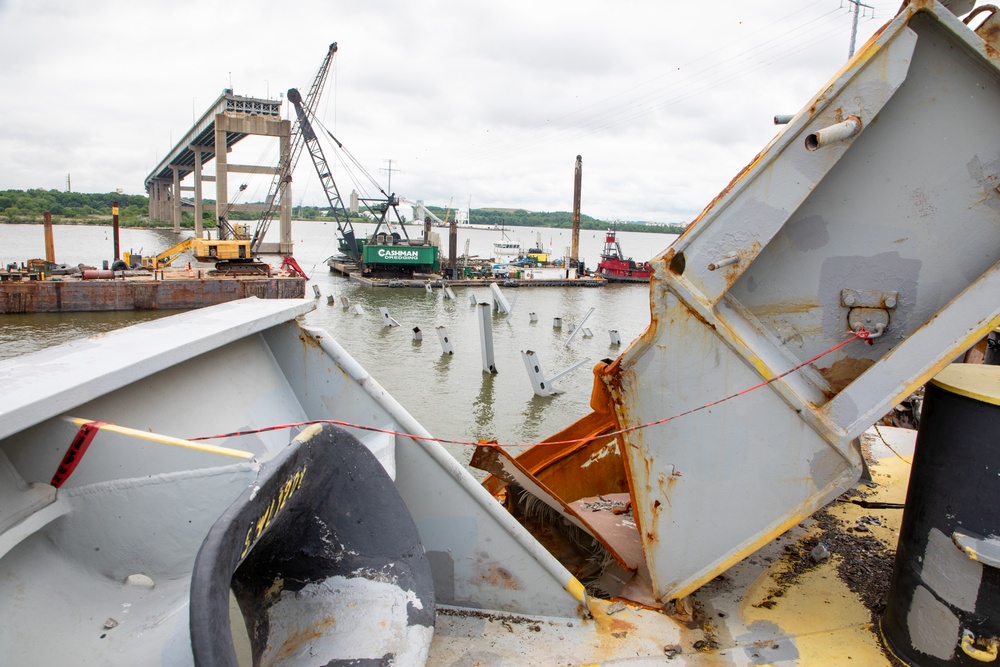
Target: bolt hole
(677, 264)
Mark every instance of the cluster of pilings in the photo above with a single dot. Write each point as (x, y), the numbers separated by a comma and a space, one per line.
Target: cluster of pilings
(541, 385)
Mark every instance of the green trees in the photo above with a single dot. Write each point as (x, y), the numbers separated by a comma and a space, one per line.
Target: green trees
(30, 205)
(493, 217)
(95, 208)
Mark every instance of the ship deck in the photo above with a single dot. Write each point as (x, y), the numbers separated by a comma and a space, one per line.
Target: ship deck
(781, 606)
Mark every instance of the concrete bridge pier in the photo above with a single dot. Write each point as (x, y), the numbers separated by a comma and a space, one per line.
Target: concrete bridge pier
(159, 199)
(227, 121)
(227, 124)
(175, 190)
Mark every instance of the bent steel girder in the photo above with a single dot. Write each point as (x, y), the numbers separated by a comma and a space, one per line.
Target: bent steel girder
(877, 208)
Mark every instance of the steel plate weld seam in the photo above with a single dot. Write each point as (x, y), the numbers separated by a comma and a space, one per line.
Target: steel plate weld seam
(858, 335)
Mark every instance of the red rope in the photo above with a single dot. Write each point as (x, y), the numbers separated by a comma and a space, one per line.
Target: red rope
(858, 335)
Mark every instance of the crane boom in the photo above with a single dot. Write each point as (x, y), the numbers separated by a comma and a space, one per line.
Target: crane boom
(310, 140)
(279, 185)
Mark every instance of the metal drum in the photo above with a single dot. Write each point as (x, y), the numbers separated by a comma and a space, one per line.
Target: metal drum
(943, 605)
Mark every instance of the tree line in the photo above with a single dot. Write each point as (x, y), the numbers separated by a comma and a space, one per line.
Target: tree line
(29, 206)
(493, 217)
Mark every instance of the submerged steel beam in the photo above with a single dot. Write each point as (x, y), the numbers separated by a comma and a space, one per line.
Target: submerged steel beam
(485, 317)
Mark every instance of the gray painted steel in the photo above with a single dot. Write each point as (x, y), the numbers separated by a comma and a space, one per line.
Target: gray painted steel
(107, 557)
(897, 225)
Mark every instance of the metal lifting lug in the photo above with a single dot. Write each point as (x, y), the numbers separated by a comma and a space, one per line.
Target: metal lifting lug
(869, 310)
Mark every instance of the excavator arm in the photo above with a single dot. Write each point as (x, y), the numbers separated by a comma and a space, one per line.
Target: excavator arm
(225, 252)
(167, 257)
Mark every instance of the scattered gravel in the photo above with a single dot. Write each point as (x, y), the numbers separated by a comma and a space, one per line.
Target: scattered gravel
(862, 561)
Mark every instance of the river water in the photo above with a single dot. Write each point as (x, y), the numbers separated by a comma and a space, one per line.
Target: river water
(450, 395)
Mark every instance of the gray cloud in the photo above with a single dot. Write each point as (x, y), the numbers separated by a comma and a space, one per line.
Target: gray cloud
(491, 101)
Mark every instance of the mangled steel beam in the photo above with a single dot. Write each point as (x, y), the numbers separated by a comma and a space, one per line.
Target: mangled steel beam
(875, 208)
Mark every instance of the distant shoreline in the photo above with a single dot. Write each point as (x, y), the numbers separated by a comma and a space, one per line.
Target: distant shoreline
(85, 222)
(132, 224)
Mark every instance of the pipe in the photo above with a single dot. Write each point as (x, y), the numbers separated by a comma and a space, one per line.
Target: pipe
(578, 328)
(731, 258)
(574, 253)
(114, 224)
(98, 274)
(453, 249)
(449, 464)
(838, 132)
(50, 245)
(486, 338)
(446, 346)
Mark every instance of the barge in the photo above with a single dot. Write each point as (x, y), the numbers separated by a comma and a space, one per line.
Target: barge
(164, 289)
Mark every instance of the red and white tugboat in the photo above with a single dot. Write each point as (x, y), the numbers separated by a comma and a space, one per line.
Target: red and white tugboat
(618, 268)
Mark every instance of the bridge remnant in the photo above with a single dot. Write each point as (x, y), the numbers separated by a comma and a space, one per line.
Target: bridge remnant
(227, 121)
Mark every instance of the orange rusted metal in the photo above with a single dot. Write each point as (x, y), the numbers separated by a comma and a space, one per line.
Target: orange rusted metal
(588, 462)
(510, 470)
(592, 464)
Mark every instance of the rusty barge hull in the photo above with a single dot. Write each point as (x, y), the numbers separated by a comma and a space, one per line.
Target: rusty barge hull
(68, 296)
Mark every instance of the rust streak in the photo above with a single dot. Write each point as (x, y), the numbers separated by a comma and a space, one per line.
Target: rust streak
(844, 372)
(498, 575)
(296, 640)
(780, 308)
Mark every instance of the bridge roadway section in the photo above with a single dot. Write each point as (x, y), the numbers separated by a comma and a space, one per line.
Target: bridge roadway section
(227, 121)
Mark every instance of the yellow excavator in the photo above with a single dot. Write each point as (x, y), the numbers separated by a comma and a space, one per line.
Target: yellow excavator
(231, 256)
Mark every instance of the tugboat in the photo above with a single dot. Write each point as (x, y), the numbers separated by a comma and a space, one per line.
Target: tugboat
(617, 268)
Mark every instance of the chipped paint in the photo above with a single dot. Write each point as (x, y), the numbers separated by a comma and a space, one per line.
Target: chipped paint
(495, 574)
(600, 454)
(843, 372)
(368, 622)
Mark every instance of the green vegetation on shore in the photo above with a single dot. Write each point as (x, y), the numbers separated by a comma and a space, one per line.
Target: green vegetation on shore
(72, 207)
(81, 208)
(495, 217)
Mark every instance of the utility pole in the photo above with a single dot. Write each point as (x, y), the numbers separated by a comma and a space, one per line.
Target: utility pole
(854, 25)
(390, 170)
(574, 253)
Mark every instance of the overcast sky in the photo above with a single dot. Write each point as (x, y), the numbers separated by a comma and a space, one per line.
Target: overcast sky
(491, 101)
